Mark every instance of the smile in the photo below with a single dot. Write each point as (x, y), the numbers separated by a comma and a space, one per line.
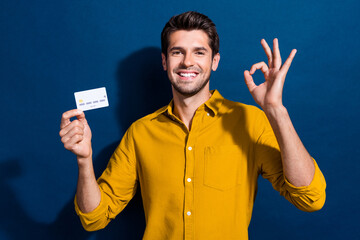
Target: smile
(187, 75)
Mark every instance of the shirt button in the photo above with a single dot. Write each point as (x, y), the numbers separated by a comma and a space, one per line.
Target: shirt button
(188, 213)
(189, 179)
(190, 148)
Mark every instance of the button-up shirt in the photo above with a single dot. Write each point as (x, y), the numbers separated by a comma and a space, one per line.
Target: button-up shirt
(198, 184)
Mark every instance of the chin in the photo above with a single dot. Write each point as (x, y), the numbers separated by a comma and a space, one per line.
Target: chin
(189, 92)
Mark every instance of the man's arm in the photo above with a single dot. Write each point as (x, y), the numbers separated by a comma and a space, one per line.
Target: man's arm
(298, 166)
(76, 137)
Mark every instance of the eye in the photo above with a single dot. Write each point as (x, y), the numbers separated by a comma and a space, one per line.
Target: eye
(200, 53)
(174, 53)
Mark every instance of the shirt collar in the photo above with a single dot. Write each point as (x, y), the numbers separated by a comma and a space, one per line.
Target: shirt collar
(213, 104)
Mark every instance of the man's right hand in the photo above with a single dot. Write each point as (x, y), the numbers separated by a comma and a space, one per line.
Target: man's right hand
(76, 134)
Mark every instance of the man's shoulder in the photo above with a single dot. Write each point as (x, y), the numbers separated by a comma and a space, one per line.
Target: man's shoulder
(233, 106)
(148, 119)
(249, 115)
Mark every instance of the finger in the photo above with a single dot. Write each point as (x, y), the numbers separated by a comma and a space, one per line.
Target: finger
(261, 65)
(249, 81)
(81, 117)
(74, 124)
(67, 134)
(65, 119)
(71, 143)
(276, 52)
(288, 61)
(267, 51)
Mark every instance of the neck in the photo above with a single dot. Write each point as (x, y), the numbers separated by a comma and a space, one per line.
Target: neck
(186, 106)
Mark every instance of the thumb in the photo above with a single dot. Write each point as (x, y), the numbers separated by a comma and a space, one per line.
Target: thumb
(81, 117)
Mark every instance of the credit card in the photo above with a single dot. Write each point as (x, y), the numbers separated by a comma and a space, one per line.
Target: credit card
(91, 99)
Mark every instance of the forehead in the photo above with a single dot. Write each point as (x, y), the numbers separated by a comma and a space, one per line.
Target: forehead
(188, 39)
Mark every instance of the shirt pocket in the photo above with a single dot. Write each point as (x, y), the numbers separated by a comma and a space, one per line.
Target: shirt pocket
(222, 167)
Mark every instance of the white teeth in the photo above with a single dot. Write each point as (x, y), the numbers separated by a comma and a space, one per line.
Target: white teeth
(187, 74)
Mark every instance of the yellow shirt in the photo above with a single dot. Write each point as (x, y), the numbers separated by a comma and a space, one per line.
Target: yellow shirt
(197, 184)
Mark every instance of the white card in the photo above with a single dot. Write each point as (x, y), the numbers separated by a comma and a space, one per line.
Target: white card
(91, 99)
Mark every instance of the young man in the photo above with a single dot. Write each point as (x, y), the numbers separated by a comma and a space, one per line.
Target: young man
(197, 159)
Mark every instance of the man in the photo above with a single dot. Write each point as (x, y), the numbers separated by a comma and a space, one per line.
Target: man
(197, 159)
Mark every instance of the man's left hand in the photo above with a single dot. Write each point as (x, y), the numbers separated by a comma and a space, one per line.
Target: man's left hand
(269, 94)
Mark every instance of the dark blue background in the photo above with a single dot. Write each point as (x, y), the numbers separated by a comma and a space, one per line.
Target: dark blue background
(50, 49)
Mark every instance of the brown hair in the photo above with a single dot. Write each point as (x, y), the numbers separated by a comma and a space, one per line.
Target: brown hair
(190, 21)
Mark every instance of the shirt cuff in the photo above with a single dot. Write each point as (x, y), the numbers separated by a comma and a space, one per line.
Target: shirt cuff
(88, 219)
(311, 197)
(317, 184)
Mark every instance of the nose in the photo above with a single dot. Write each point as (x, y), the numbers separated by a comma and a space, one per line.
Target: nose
(188, 60)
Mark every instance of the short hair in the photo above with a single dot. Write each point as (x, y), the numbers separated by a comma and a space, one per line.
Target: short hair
(190, 21)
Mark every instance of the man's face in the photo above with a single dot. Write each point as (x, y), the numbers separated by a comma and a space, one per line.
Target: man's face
(189, 61)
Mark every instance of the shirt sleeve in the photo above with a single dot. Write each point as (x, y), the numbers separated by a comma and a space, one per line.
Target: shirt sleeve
(117, 186)
(267, 155)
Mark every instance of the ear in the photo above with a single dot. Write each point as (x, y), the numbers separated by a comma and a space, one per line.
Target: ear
(215, 62)
(163, 60)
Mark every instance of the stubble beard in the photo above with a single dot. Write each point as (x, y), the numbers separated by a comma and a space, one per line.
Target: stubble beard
(186, 92)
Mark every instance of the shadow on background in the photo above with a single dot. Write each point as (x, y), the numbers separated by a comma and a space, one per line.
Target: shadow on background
(143, 85)
(143, 88)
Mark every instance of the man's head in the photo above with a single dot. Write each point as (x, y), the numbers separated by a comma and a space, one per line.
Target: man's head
(190, 51)
(190, 21)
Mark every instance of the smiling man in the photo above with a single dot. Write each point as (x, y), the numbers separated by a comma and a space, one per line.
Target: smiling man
(197, 159)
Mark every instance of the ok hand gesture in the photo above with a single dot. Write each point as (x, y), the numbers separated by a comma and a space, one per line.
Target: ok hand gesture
(269, 94)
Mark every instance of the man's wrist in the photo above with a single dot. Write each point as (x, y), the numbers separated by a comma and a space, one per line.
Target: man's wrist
(275, 111)
(84, 162)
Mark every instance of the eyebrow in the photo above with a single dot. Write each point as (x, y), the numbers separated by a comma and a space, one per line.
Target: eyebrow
(201, 49)
(176, 48)
(196, 49)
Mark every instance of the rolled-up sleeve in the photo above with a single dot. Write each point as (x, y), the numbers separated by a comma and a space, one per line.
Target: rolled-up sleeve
(307, 198)
(268, 157)
(95, 219)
